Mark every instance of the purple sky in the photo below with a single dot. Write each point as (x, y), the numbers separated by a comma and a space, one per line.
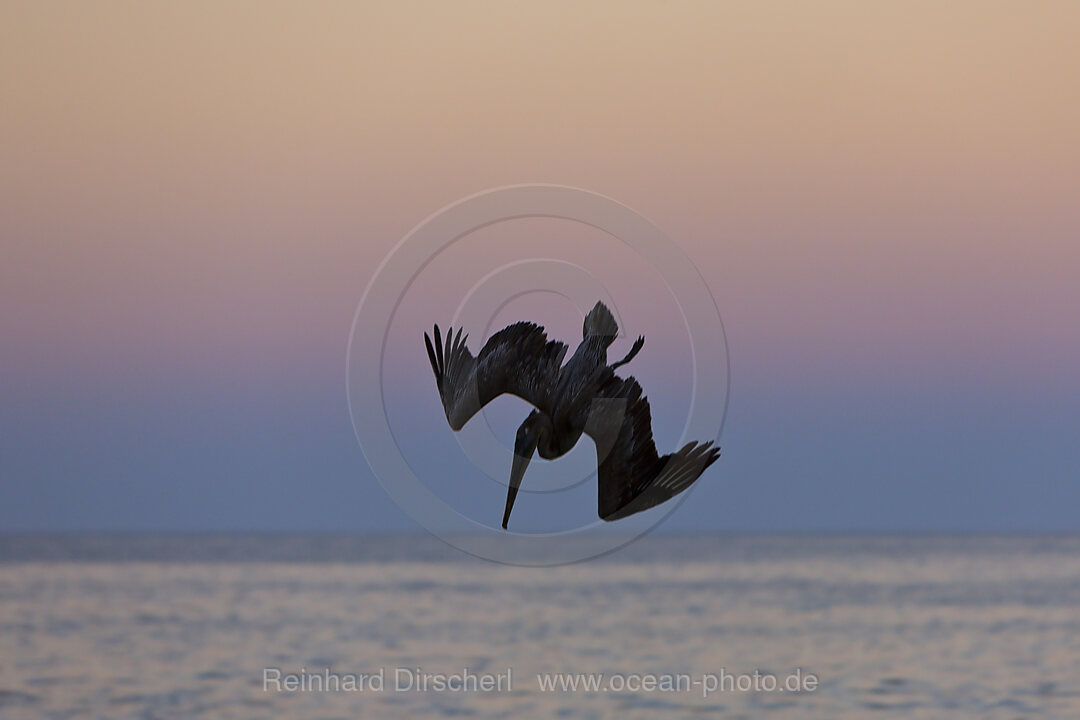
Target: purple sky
(882, 200)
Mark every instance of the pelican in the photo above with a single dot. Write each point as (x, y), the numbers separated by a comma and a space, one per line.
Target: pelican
(584, 396)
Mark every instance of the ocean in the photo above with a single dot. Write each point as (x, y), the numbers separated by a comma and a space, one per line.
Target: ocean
(321, 626)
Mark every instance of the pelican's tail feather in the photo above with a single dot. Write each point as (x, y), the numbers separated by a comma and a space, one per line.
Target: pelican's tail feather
(600, 323)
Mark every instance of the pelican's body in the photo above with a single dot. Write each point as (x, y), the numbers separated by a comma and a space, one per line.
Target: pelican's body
(567, 419)
(584, 396)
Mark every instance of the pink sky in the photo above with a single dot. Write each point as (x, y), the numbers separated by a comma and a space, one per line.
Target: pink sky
(875, 186)
(884, 199)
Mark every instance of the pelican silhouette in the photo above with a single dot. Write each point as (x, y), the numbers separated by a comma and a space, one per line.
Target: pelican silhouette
(582, 396)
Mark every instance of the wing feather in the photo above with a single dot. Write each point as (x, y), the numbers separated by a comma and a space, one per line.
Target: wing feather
(519, 360)
(632, 475)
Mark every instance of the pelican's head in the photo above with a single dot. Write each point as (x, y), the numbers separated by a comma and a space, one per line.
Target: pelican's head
(528, 436)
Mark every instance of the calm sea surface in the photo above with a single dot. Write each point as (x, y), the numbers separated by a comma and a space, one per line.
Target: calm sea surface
(194, 626)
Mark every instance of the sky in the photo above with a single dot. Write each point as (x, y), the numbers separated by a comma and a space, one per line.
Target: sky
(883, 199)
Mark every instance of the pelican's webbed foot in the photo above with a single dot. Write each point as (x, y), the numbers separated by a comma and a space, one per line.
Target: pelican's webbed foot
(638, 344)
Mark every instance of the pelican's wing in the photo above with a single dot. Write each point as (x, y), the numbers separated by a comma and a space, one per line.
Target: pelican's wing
(632, 477)
(519, 359)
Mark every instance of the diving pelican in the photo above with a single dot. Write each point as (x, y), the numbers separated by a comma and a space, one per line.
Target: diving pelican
(582, 396)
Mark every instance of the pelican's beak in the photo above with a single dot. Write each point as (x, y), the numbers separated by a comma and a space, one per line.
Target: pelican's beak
(524, 447)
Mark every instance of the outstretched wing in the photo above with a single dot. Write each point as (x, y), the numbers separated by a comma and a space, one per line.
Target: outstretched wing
(632, 476)
(519, 359)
